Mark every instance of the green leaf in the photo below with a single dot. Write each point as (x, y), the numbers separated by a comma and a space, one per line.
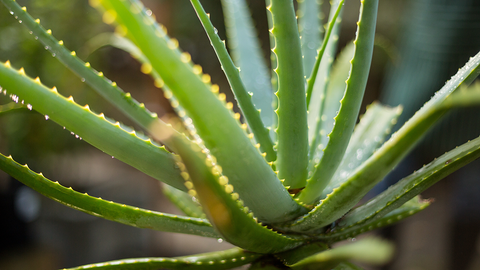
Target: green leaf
(368, 135)
(406, 210)
(224, 207)
(106, 88)
(183, 201)
(247, 55)
(347, 266)
(414, 184)
(111, 138)
(311, 30)
(11, 106)
(350, 105)
(295, 255)
(132, 216)
(228, 143)
(227, 259)
(328, 49)
(327, 107)
(246, 102)
(372, 171)
(369, 250)
(292, 146)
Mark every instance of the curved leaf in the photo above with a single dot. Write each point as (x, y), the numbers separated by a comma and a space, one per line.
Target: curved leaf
(106, 88)
(95, 129)
(369, 250)
(240, 160)
(292, 137)
(246, 101)
(132, 216)
(247, 55)
(364, 178)
(224, 207)
(347, 116)
(210, 261)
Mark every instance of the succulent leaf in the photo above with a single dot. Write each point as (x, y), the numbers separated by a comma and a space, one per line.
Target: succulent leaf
(328, 47)
(122, 144)
(328, 106)
(369, 250)
(245, 100)
(292, 146)
(253, 178)
(109, 90)
(224, 208)
(132, 216)
(414, 184)
(350, 105)
(368, 135)
(342, 199)
(226, 259)
(311, 30)
(247, 55)
(183, 201)
(404, 211)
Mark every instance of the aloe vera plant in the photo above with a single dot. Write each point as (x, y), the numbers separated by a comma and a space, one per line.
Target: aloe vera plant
(281, 179)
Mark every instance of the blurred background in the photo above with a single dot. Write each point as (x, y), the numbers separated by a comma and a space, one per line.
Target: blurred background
(420, 44)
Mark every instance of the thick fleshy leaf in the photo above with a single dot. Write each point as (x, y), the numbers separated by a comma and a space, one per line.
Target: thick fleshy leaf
(183, 201)
(327, 49)
(292, 130)
(368, 135)
(109, 90)
(317, 102)
(246, 168)
(372, 171)
(414, 184)
(350, 105)
(408, 209)
(224, 207)
(209, 261)
(327, 107)
(311, 31)
(247, 55)
(245, 92)
(132, 216)
(111, 138)
(369, 250)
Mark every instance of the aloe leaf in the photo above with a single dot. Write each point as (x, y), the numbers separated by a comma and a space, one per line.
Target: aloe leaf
(368, 135)
(317, 99)
(295, 255)
(106, 88)
(183, 201)
(369, 250)
(224, 207)
(273, 57)
(292, 146)
(251, 175)
(95, 129)
(226, 259)
(347, 116)
(406, 210)
(247, 55)
(132, 216)
(11, 106)
(332, 28)
(311, 30)
(372, 171)
(329, 105)
(261, 91)
(414, 184)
